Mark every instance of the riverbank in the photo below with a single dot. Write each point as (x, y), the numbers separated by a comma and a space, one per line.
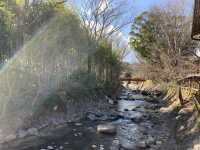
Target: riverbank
(183, 121)
(184, 124)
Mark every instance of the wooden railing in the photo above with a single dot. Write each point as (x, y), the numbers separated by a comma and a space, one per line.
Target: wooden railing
(193, 90)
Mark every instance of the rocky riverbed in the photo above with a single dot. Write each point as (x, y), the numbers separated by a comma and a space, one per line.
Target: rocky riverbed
(133, 122)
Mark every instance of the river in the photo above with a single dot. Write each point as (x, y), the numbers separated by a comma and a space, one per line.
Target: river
(136, 118)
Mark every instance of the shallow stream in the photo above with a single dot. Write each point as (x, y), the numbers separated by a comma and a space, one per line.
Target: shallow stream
(136, 120)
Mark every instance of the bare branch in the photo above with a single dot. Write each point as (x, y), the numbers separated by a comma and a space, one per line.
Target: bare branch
(104, 17)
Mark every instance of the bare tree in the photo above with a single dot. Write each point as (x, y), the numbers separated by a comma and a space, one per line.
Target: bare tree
(165, 42)
(103, 18)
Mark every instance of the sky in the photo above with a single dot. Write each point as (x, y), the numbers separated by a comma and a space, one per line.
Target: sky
(138, 7)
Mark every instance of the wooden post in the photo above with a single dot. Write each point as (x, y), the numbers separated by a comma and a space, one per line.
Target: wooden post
(197, 96)
(196, 103)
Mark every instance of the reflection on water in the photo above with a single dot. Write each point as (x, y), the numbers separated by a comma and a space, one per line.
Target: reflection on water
(130, 105)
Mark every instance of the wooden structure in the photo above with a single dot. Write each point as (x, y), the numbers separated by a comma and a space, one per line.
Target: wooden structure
(193, 80)
(196, 21)
(190, 83)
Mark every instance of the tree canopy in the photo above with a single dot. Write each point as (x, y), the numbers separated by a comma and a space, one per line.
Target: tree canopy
(161, 38)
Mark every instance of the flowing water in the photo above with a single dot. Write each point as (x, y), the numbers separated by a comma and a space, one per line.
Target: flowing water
(137, 127)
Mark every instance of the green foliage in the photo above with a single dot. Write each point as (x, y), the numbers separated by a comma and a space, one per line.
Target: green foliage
(51, 103)
(20, 19)
(161, 33)
(85, 80)
(107, 61)
(142, 38)
(6, 17)
(20, 2)
(40, 13)
(37, 15)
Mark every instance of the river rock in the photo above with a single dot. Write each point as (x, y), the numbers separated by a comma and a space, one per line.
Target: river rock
(183, 111)
(22, 134)
(50, 147)
(102, 116)
(115, 145)
(10, 137)
(110, 101)
(66, 143)
(106, 129)
(178, 117)
(78, 124)
(101, 147)
(127, 145)
(142, 145)
(93, 146)
(181, 128)
(92, 117)
(158, 142)
(150, 140)
(33, 131)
